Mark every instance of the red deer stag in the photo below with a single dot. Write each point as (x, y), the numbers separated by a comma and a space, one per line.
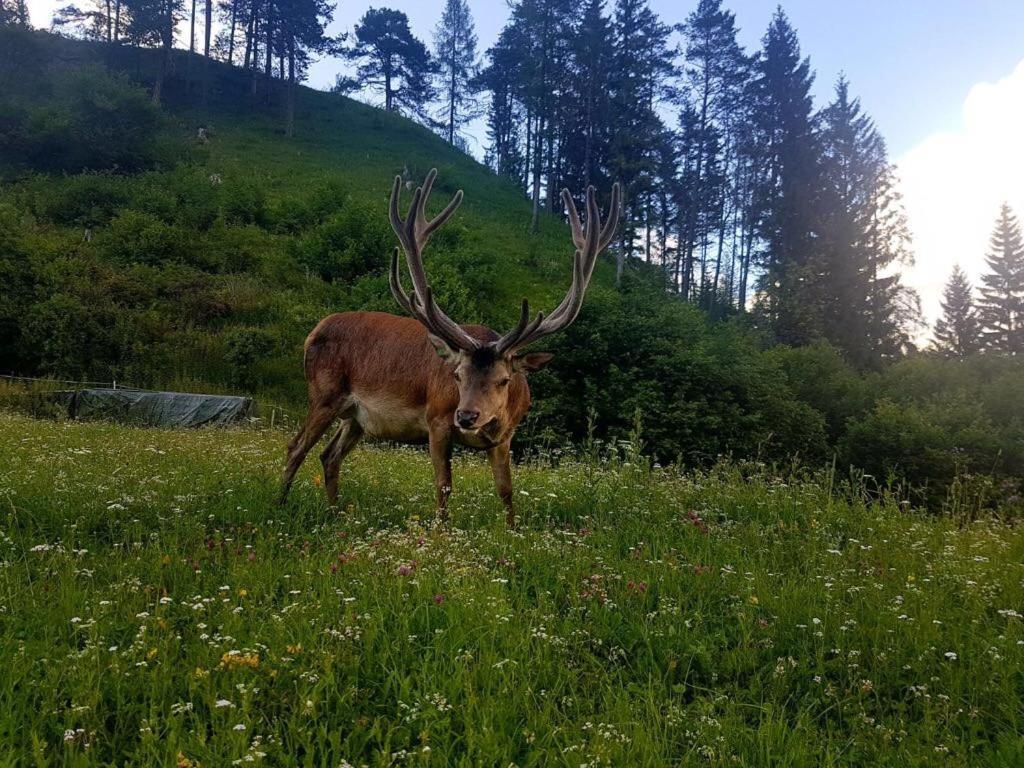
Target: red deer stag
(426, 377)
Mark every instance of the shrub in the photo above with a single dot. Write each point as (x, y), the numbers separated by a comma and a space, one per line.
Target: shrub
(243, 203)
(923, 446)
(135, 237)
(85, 200)
(246, 347)
(352, 242)
(20, 287)
(97, 120)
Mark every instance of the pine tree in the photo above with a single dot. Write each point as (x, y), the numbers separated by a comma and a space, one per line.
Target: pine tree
(392, 59)
(151, 23)
(788, 182)
(1001, 306)
(587, 127)
(957, 333)
(98, 22)
(455, 54)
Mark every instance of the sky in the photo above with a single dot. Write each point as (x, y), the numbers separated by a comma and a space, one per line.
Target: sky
(943, 79)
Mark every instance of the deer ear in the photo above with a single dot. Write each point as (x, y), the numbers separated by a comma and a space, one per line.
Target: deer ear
(531, 361)
(441, 347)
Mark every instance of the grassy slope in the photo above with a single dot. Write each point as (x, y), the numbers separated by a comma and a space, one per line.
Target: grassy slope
(634, 620)
(339, 139)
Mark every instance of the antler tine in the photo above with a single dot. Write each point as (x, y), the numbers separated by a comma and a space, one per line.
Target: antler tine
(574, 219)
(523, 328)
(395, 281)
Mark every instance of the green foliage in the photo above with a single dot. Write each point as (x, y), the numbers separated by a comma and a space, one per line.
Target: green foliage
(20, 282)
(246, 347)
(92, 120)
(702, 390)
(352, 242)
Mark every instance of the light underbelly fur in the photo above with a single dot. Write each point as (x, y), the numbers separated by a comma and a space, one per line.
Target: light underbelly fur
(389, 419)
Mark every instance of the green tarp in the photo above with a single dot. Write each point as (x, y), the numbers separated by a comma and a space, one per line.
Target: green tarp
(156, 409)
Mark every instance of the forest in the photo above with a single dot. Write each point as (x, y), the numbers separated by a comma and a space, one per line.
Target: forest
(752, 306)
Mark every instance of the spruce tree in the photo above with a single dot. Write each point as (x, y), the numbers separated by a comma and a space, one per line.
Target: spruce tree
(390, 58)
(1001, 306)
(587, 127)
(457, 67)
(861, 234)
(302, 32)
(957, 333)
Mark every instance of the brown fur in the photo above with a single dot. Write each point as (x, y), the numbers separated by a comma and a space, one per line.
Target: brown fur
(384, 377)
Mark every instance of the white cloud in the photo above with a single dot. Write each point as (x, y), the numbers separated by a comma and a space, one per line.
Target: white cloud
(954, 182)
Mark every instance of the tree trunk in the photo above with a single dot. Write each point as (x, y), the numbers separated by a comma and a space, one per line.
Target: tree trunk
(110, 33)
(206, 51)
(269, 63)
(254, 63)
(289, 127)
(117, 20)
(538, 140)
(231, 36)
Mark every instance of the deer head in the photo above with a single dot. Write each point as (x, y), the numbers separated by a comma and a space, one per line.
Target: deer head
(484, 370)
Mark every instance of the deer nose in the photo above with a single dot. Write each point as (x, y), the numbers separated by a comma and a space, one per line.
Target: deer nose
(466, 419)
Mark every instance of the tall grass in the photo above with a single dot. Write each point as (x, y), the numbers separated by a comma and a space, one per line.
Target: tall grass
(156, 608)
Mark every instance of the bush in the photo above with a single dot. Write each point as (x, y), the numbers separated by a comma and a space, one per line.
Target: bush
(244, 203)
(135, 237)
(924, 447)
(352, 242)
(96, 120)
(246, 347)
(20, 288)
(86, 200)
(702, 390)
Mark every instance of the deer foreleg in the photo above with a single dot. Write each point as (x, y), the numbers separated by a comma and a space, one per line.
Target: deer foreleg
(500, 458)
(441, 457)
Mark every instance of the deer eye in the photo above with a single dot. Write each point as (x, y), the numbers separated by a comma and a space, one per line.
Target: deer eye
(458, 377)
(503, 382)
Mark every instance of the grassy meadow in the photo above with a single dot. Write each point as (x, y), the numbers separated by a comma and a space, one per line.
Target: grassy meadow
(156, 608)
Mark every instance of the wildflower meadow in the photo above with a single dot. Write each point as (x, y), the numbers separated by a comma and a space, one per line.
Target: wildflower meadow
(158, 609)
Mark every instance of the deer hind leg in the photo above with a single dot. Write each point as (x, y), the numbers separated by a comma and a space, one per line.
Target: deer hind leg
(344, 440)
(317, 422)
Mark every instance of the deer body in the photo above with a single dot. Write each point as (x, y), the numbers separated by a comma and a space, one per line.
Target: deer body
(428, 378)
(385, 374)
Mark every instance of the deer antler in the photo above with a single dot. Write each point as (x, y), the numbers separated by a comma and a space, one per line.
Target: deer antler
(415, 230)
(589, 243)
(413, 234)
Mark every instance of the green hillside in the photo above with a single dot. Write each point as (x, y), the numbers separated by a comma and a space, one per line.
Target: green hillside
(193, 246)
(278, 209)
